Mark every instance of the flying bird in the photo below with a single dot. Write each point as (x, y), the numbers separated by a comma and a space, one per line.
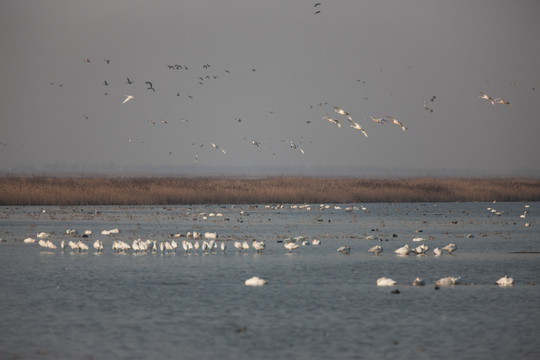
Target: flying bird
(502, 101)
(397, 122)
(129, 81)
(217, 147)
(128, 97)
(150, 86)
(332, 120)
(317, 4)
(295, 146)
(484, 96)
(377, 120)
(358, 127)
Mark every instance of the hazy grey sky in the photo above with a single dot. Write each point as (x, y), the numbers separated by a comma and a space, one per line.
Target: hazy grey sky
(372, 58)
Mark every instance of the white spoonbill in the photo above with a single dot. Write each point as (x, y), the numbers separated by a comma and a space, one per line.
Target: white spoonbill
(258, 245)
(385, 282)
(377, 249)
(450, 248)
(437, 252)
(357, 126)
(42, 235)
(404, 250)
(128, 97)
(255, 281)
(291, 246)
(418, 282)
(223, 246)
(98, 245)
(505, 281)
(344, 250)
(448, 281)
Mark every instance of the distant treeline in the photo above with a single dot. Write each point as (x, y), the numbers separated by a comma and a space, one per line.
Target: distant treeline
(50, 190)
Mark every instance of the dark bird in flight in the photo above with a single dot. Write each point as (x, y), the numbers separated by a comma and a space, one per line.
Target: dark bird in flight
(150, 86)
(317, 4)
(317, 12)
(129, 81)
(107, 61)
(105, 83)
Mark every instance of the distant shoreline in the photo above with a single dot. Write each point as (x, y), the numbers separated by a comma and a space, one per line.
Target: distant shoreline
(65, 190)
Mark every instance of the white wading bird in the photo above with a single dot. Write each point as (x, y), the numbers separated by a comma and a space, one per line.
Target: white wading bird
(128, 97)
(404, 250)
(291, 246)
(448, 281)
(418, 282)
(344, 250)
(385, 282)
(255, 281)
(217, 147)
(332, 120)
(295, 146)
(377, 249)
(357, 126)
(486, 97)
(450, 248)
(397, 122)
(505, 281)
(378, 120)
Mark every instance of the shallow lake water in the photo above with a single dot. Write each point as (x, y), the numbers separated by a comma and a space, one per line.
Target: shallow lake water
(317, 303)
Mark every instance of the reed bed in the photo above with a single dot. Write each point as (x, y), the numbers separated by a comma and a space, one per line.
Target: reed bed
(52, 190)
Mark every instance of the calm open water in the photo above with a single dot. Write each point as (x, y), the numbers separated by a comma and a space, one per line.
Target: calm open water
(317, 304)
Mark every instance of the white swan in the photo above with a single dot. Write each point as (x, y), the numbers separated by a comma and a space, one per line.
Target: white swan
(29, 240)
(377, 249)
(50, 245)
(505, 281)
(255, 281)
(43, 235)
(448, 281)
(385, 282)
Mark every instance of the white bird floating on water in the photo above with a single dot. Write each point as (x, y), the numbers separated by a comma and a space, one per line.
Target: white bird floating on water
(377, 249)
(417, 239)
(404, 250)
(385, 282)
(344, 250)
(29, 240)
(316, 242)
(437, 252)
(505, 281)
(450, 248)
(255, 281)
(418, 282)
(448, 281)
(42, 235)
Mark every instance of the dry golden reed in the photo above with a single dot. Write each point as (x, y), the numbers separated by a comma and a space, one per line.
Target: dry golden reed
(49, 190)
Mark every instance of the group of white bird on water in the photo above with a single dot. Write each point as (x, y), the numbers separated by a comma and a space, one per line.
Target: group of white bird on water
(208, 244)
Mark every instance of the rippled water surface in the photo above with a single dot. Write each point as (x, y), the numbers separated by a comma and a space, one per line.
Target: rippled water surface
(317, 304)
